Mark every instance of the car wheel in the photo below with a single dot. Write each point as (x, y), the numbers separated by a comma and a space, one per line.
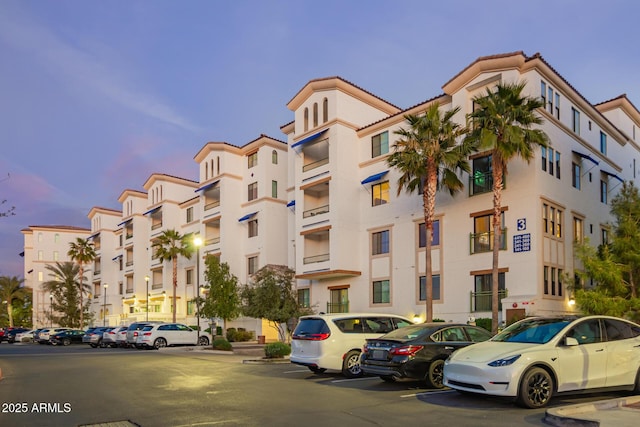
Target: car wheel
(316, 370)
(159, 343)
(351, 365)
(203, 341)
(66, 341)
(388, 378)
(636, 389)
(93, 345)
(536, 389)
(434, 375)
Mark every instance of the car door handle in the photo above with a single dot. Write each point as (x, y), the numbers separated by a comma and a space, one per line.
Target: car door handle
(599, 350)
(448, 347)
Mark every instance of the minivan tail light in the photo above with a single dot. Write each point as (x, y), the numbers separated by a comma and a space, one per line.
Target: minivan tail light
(313, 337)
(407, 350)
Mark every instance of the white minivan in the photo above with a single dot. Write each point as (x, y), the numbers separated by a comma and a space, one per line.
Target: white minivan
(334, 341)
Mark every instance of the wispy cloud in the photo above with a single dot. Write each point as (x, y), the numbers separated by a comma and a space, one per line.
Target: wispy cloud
(87, 67)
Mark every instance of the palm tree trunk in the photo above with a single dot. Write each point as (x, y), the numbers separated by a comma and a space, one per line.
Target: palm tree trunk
(81, 302)
(10, 312)
(497, 215)
(175, 286)
(429, 202)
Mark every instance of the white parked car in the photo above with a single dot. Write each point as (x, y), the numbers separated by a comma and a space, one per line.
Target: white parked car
(537, 357)
(335, 341)
(26, 336)
(43, 337)
(166, 334)
(110, 337)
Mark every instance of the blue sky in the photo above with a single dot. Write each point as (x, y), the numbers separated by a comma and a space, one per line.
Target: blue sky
(97, 95)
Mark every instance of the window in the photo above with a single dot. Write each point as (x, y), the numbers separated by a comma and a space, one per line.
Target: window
(481, 300)
(380, 144)
(40, 255)
(304, 299)
(603, 143)
(40, 237)
(56, 238)
(189, 276)
(543, 92)
(435, 286)
(603, 191)
(481, 180)
(380, 242)
(274, 157)
(274, 189)
(381, 294)
(253, 191)
(549, 95)
(576, 174)
(380, 193)
(190, 214)
(40, 276)
(253, 228)
(306, 119)
(252, 160)
(482, 236)
(550, 161)
(252, 265)
(543, 153)
(325, 110)
(55, 256)
(557, 111)
(576, 120)
(315, 114)
(604, 236)
(552, 277)
(552, 220)
(339, 301)
(557, 165)
(578, 230)
(422, 231)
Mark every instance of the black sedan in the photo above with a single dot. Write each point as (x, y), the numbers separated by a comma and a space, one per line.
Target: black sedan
(418, 351)
(70, 336)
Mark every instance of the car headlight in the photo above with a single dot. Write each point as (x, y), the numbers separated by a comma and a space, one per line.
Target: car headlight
(505, 361)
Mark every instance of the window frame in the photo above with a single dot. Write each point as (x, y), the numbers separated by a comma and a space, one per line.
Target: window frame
(383, 190)
(381, 292)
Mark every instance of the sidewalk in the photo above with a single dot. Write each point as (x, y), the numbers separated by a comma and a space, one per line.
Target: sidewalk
(622, 412)
(252, 349)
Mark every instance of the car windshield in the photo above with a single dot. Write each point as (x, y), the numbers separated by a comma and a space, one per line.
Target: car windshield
(533, 331)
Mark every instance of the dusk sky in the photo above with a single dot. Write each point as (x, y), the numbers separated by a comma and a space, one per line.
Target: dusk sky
(95, 96)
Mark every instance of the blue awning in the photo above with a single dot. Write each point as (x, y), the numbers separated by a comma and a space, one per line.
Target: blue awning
(93, 235)
(613, 175)
(309, 138)
(116, 257)
(150, 211)
(374, 177)
(291, 203)
(124, 222)
(246, 217)
(586, 156)
(207, 186)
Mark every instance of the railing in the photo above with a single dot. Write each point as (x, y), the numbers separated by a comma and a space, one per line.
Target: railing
(128, 263)
(129, 236)
(156, 286)
(481, 301)
(129, 290)
(212, 241)
(96, 272)
(315, 258)
(156, 225)
(315, 211)
(483, 242)
(338, 307)
(316, 164)
(212, 205)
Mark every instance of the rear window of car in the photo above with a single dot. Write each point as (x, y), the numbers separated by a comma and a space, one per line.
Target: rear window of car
(148, 327)
(311, 326)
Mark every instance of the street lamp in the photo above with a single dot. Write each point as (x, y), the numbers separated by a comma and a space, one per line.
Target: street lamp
(104, 306)
(51, 309)
(197, 241)
(146, 279)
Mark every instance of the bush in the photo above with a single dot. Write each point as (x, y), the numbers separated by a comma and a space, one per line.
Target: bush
(484, 323)
(436, 320)
(239, 335)
(231, 334)
(277, 350)
(222, 344)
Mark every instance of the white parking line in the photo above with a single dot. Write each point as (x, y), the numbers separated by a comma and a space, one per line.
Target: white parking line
(356, 379)
(427, 392)
(299, 370)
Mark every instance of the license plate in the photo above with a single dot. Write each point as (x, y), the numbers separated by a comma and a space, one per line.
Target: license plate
(379, 354)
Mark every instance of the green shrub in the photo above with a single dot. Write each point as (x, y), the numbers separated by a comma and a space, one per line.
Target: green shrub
(222, 344)
(484, 322)
(436, 320)
(243, 335)
(277, 350)
(231, 334)
(218, 330)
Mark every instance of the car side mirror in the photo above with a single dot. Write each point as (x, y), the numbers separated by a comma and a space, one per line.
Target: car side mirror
(570, 341)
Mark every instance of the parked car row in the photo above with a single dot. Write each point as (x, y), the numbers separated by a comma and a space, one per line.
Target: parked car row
(531, 360)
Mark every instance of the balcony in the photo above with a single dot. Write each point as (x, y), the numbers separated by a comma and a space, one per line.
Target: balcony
(338, 307)
(211, 205)
(211, 241)
(481, 301)
(128, 264)
(315, 211)
(156, 225)
(315, 258)
(156, 286)
(483, 242)
(480, 182)
(315, 164)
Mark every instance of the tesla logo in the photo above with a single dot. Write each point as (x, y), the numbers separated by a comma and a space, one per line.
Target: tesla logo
(553, 359)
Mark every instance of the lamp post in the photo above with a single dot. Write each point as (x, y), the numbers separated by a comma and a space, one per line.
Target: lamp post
(146, 279)
(51, 309)
(104, 306)
(197, 241)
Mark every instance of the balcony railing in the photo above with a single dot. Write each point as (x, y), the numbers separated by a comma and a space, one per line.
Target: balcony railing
(156, 225)
(96, 272)
(129, 290)
(156, 286)
(483, 242)
(315, 164)
(315, 258)
(129, 236)
(128, 263)
(481, 301)
(212, 241)
(315, 211)
(338, 307)
(211, 205)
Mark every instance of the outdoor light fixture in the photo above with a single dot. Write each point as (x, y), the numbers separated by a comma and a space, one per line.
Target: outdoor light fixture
(416, 318)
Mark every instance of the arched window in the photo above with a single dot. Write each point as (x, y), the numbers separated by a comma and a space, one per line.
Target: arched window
(206, 171)
(274, 157)
(212, 171)
(315, 114)
(218, 164)
(306, 119)
(325, 110)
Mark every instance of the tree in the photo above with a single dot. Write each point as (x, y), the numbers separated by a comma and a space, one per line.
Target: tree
(272, 296)
(83, 252)
(169, 246)
(428, 156)
(65, 288)
(625, 246)
(504, 122)
(11, 289)
(223, 298)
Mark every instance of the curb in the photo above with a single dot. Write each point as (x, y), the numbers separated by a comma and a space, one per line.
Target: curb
(584, 414)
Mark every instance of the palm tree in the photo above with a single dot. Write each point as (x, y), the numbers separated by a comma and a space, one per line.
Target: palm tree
(66, 289)
(168, 246)
(10, 289)
(83, 252)
(428, 156)
(503, 122)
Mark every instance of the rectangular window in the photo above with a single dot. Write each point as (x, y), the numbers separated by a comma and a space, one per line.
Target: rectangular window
(482, 179)
(557, 112)
(422, 238)
(578, 230)
(543, 152)
(550, 161)
(252, 265)
(253, 228)
(40, 276)
(274, 189)
(605, 236)
(543, 92)
(557, 165)
(435, 286)
(339, 301)
(380, 242)
(304, 297)
(482, 236)
(576, 174)
(55, 256)
(253, 191)
(603, 191)
(190, 214)
(381, 294)
(575, 120)
(380, 144)
(252, 160)
(189, 276)
(380, 193)
(482, 296)
(603, 143)
(550, 101)
(552, 281)
(552, 220)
